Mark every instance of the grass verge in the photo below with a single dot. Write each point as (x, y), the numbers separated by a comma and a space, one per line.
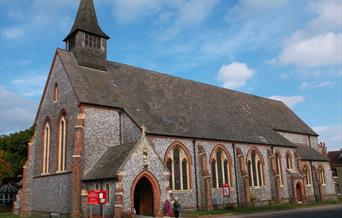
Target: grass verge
(262, 208)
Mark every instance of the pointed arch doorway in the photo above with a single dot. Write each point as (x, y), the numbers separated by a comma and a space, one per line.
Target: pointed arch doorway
(145, 195)
(143, 198)
(299, 193)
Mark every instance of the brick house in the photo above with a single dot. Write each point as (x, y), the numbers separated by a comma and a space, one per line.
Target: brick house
(140, 134)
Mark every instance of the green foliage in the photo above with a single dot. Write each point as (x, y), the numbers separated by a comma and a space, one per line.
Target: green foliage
(13, 153)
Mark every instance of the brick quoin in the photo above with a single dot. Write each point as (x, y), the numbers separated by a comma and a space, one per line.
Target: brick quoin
(76, 165)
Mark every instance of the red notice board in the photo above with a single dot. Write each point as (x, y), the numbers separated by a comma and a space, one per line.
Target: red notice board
(226, 190)
(97, 197)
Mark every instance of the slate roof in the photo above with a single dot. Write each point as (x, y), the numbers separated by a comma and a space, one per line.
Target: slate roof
(109, 163)
(8, 188)
(171, 106)
(308, 153)
(86, 20)
(335, 158)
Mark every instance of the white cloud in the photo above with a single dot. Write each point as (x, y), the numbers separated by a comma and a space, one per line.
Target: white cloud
(331, 135)
(307, 85)
(16, 113)
(29, 86)
(322, 50)
(172, 16)
(290, 101)
(194, 11)
(235, 75)
(130, 10)
(13, 33)
(250, 8)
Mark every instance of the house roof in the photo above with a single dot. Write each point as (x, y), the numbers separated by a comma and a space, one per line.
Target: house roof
(107, 166)
(308, 153)
(86, 20)
(335, 158)
(168, 105)
(8, 188)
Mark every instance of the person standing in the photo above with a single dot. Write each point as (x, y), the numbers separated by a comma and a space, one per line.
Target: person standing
(176, 207)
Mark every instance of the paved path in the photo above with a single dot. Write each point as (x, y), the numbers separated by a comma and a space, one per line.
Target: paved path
(333, 211)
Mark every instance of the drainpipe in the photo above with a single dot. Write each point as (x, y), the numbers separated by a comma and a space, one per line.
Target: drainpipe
(195, 166)
(236, 179)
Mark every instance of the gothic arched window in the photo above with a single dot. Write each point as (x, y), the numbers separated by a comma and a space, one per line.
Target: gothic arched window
(255, 167)
(307, 174)
(279, 168)
(321, 175)
(178, 163)
(46, 147)
(288, 161)
(62, 140)
(55, 93)
(220, 167)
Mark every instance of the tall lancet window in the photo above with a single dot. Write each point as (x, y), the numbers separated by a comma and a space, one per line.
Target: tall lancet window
(46, 147)
(255, 165)
(62, 140)
(177, 161)
(307, 175)
(220, 167)
(279, 168)
(288, 161)
(321, 175)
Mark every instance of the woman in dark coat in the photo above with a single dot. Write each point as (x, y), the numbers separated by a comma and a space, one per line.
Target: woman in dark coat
(176, 207)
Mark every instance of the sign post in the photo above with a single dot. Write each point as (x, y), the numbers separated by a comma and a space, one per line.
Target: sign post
(96, 197)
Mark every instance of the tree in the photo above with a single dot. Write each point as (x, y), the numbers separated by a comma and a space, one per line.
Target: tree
(13, 153)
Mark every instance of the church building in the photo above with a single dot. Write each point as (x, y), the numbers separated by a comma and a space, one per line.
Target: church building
(140, 135)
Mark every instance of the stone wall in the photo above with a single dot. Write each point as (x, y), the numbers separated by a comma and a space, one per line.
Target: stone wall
(107, 209)
(134, 165)
(48, 191)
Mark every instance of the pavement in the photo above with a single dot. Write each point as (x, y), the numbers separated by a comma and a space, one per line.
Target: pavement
(331, 211)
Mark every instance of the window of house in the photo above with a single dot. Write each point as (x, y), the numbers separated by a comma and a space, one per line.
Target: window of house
(178, 164)
(55, 93)
(321, 175)
(255, 167)
(62, 148)
(92, 41)
(307, 174)
(279, 168)
(46, 147)
(288, 161)
(220, 168)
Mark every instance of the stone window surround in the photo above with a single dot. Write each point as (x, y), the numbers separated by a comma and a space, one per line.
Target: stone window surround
(55, 93)
(259, 157)
(184, 153)
(289, 160)
(62, 137)
(279, 168)
(225, 156)
(307, 175)
(46, 146)
(321, 175)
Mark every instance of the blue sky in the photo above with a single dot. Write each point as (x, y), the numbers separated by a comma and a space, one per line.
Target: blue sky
(288, 50)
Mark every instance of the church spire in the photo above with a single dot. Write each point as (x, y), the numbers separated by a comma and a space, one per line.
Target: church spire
(86, 20)
(86, 39)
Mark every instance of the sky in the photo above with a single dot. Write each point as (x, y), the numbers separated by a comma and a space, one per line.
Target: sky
(287, 50)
